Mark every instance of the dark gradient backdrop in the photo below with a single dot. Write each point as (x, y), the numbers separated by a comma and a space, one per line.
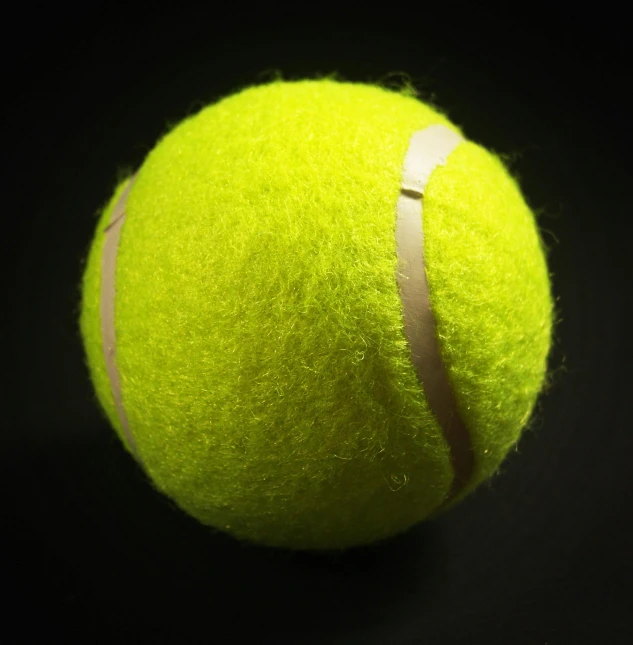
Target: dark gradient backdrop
(92, 555)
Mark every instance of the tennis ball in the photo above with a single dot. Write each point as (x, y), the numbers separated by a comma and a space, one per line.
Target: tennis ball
(317, 314)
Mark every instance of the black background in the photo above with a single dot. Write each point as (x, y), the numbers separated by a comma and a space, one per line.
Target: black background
(543, 555)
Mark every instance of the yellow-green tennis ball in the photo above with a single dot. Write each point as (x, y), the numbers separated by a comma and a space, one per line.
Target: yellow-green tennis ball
(317, 315)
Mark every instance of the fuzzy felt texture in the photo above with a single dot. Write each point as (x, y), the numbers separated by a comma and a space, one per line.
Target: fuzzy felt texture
(260, 342)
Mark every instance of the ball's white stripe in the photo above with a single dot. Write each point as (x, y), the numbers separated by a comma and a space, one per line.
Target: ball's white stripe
(428, 149)
(107, 305)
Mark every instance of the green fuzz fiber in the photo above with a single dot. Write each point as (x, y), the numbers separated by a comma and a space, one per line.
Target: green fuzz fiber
(264, 368)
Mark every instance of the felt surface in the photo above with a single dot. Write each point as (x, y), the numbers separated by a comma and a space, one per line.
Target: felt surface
(490, 293)
(260, 344)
